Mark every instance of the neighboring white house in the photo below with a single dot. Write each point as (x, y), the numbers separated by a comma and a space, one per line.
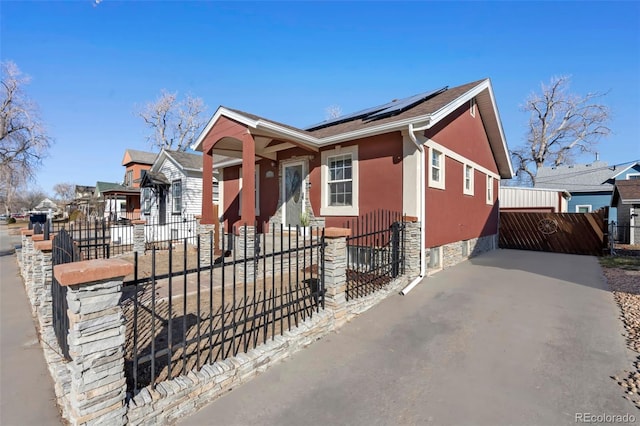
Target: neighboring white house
(172, 188)
(521, 199)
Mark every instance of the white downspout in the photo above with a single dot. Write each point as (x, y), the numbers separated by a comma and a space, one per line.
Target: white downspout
(422, 212)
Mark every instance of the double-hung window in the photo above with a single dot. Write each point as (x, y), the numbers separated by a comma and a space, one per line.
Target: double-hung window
(339, 176)
(489, 189)
(176, 196)
(468, 180)
(436, 169)
(340, 180)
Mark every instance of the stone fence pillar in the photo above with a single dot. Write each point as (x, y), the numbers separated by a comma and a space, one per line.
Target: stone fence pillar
(96, 339)
(412, 249)
(246, 249)
(206, 237)
(335, 272)
(138, 236)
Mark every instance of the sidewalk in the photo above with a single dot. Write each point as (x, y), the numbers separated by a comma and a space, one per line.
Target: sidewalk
(26, 388)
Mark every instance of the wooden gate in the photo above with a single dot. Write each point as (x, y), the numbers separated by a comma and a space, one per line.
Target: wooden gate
(571, 233)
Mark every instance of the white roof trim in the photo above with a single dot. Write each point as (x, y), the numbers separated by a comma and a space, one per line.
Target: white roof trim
(623, 171)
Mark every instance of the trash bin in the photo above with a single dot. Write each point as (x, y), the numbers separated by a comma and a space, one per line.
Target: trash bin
(40, 218)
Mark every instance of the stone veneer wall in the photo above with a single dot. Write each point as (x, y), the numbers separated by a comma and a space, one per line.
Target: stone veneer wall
(36, 255)
(453, 253)
(90, 389)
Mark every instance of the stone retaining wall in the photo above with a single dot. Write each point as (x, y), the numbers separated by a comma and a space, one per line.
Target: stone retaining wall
(91, 388)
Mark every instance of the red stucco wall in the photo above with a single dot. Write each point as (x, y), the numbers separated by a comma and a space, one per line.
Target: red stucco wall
(380, 176)
(452, 216)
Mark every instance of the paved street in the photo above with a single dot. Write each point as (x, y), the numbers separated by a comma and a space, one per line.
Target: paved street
(510, 337)
(26, 388)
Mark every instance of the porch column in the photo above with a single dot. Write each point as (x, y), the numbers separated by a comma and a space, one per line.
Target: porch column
(207, 189)
(248, 214)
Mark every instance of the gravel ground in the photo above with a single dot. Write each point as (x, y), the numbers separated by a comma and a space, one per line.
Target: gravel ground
(625, 284)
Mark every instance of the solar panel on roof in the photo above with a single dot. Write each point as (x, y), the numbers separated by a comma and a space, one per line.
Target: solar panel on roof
(405, 104)
(349, 117)
(390, 108)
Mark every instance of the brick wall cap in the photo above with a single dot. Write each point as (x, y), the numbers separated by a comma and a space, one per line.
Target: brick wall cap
(198, 216)
(88, 271)
(27, 232)
(138, 222)
(43, 245)
(333, 232)
(40, 237)
(411, 218)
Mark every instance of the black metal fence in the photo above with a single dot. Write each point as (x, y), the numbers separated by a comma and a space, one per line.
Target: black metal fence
(64, 250)
(375, 252)
(162, 234)
(624, 239)
(190, 305)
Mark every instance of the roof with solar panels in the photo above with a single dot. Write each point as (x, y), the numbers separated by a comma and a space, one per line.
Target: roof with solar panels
(395, 115)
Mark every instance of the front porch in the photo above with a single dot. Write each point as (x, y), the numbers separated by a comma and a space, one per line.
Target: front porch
(268, 185)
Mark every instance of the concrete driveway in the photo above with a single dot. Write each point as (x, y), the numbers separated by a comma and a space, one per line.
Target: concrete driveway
(509, 337)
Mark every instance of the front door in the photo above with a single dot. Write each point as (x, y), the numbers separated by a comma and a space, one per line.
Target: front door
(293, 190)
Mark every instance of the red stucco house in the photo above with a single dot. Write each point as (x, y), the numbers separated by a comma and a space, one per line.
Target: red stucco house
(438, 156)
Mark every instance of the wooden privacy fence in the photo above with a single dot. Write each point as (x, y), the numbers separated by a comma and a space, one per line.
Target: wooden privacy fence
(572, 233)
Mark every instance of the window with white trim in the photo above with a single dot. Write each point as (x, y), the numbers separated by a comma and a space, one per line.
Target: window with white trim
(583, 208)
(489, 189)
(340, 180)
(472, 107)
(633, 176)
(176, 196)
(146, 200)
(339, 176)
(468, 180)
(436, 168)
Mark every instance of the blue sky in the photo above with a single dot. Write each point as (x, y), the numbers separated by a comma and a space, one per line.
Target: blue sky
(92, 67)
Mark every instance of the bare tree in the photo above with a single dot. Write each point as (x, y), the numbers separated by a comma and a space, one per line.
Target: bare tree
(28, 200)
(174, 124)
(333, 111)
(23, 139)
(65, 192)
(562, 125)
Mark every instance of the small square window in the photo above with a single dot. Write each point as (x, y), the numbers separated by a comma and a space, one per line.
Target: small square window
(435, 258)
(465, 248)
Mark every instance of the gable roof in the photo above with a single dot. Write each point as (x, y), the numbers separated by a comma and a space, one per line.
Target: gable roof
(46, 204)
(425, 112)
(627, 169)
(102, 187)
(138, 157)
(188, 161)
(627, 191)
(594, 177)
